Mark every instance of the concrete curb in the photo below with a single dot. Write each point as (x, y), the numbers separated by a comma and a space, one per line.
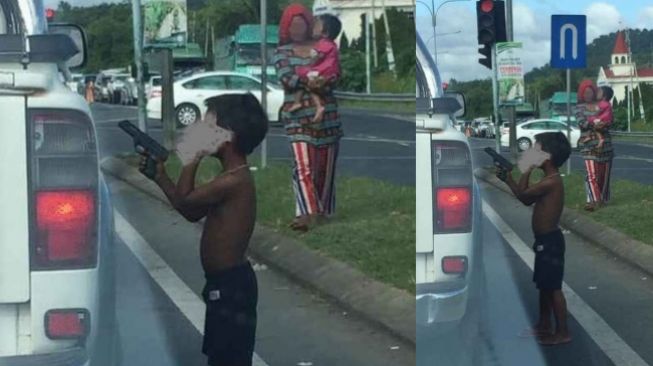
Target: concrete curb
(630, 250)
(384, 305)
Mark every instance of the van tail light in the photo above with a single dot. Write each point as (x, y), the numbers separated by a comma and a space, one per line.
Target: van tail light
(453, 182)
(64, 194)
(454, 265)
(67, 323)
(454, 208)
(65, 227)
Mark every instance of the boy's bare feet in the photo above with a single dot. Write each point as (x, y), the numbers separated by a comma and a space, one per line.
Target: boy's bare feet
(305, 222)
(554, 339)
(319, 114)
(295, 107)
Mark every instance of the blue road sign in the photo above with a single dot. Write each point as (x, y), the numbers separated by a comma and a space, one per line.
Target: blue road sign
(568, 41)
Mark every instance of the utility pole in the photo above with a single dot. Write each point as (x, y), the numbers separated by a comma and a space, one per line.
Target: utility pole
(495, 99)
(388, 40)
(264, 75)
(368, 72)
(374, 48)
(138, 58)
(511, 109)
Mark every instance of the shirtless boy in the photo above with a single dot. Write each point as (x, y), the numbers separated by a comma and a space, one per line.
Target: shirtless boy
(228, 203)
(548, 197)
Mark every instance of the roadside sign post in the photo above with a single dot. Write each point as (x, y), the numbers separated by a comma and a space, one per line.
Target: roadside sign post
(264, 75)
(568, 51)
(138, 57)
(495, 99)
(510, 82)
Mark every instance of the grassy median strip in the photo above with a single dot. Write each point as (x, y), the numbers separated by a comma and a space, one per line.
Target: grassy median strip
(389, 107)
(629, 211)
(373, 230)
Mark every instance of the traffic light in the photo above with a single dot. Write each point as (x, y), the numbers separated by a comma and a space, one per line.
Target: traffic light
(50, 14)
(491, 23)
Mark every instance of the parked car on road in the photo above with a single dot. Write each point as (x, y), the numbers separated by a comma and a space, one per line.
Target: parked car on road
(57, 290)
(486, 130)
(448, 224)
(526, 132)
(191, 92)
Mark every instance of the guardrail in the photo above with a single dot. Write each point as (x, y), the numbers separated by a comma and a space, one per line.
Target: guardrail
(631, 134)
(377, 97)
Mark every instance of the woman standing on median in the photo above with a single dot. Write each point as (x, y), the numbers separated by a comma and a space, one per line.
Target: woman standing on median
(314, 143)
(597, 157)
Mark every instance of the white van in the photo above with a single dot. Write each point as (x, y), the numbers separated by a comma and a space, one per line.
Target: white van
(57, 304)
(448, 225)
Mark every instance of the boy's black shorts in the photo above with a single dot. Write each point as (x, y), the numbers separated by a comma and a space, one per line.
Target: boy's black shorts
(549, 260)
(230, 327)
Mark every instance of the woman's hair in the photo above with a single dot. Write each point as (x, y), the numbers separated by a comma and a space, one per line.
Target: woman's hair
(243, 115)
(331, 26)
(608, 93)
(584, 85)
(289, 13)
(556, 144)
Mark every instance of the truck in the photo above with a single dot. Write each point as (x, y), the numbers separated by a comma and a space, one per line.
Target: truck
(241, 52)
(57, 269)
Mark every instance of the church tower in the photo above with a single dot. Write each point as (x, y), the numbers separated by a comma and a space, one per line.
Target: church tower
(621, 64)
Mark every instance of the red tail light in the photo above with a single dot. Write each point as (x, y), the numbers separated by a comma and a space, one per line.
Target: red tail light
(65, 227)
(156, 93)
(66, 324)
(64, 175)
(453, 209)
(454, 265)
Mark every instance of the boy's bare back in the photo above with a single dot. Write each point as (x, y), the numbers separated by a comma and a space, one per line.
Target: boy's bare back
(548, 207)
(230, 223)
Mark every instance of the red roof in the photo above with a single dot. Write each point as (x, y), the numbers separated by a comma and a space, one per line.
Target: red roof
(646, 72)
(620, 44)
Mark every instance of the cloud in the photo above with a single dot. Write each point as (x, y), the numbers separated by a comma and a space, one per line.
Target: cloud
(602, 18)
(645, 19)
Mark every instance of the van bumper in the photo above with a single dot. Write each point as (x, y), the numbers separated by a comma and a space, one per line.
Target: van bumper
(440, 303)
(68, 357)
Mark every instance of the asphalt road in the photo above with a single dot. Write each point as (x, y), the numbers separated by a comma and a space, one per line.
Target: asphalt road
(376, 146)
(295, 325)
(609, 302)
(632, 161)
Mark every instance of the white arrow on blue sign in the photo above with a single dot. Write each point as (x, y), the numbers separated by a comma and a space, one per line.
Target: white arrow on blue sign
(568, 41)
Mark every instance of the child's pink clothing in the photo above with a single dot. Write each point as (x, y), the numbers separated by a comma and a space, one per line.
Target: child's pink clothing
(327, 62)
(605, 113)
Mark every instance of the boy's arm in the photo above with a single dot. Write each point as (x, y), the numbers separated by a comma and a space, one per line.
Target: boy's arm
(525, 194)
(172, 190)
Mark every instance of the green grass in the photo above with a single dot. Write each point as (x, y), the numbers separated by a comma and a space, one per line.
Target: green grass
(393, 107)
(374, 227)
(630, 210)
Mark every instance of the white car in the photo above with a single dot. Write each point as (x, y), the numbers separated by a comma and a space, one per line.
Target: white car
(526, 132)
(191, 92)
(57, 293)
(448, 224)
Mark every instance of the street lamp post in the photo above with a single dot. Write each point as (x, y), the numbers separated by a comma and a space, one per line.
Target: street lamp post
(434, 14)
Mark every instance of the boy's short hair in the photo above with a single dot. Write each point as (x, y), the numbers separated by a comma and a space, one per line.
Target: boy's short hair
(608, 93)
(243, 115)
(556, 144)
(332, 25)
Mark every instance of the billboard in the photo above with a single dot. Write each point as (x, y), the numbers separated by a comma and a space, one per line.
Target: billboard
(165, 21)
(510, 72)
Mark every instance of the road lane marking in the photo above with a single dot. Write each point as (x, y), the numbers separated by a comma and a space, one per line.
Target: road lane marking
(181, 295)
(603, 335)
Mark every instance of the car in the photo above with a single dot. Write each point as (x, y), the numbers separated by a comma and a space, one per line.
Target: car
(526, 132)
(57, 290)
(448, 221)
(191, 92)
(76, 83)
(153, 86)
(486, 129)
(124, 89)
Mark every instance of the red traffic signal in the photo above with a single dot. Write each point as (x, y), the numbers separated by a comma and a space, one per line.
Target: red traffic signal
(487, 6)
(49, 14)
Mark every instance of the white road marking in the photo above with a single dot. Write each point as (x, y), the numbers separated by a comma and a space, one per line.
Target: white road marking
(181, 295)
(605, 337)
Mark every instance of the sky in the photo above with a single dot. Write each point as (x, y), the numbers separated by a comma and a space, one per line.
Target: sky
(457, 46)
